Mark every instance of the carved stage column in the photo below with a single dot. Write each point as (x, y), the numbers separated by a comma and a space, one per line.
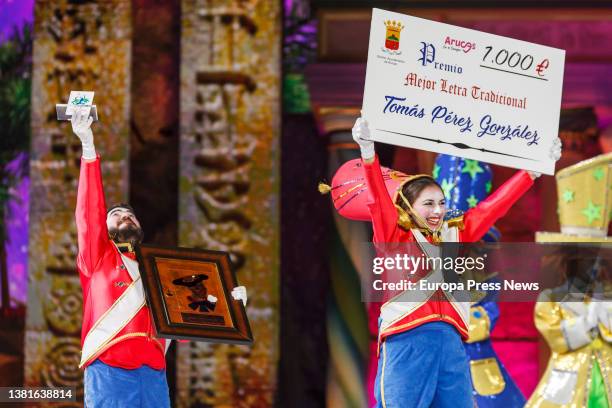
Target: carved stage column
(229, 114)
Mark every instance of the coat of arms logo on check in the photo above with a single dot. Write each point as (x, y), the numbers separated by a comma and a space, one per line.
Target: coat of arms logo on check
(392, 37)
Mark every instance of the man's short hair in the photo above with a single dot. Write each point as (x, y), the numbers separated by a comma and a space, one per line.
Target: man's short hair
(121, 205)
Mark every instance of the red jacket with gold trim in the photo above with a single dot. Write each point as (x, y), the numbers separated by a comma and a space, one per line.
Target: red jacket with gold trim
(104, 278)
(476, 222)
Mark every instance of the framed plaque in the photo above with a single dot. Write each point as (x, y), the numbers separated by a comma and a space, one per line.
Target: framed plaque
(189, 294)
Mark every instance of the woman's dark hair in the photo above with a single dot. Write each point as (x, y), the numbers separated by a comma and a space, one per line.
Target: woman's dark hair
(412, 189)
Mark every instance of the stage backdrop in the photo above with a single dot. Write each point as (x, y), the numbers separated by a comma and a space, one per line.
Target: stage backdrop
(76, 46)
(229, 115)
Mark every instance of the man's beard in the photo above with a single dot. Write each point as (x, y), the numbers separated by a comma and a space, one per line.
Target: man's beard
(130, 234)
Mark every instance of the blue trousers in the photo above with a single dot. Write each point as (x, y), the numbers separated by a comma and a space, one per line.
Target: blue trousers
(113, 387)
(422, 368)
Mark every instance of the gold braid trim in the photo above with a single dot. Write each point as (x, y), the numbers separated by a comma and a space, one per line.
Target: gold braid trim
(403, 219)
(406, 223)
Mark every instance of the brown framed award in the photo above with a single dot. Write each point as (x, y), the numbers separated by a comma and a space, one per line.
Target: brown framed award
(189, 294)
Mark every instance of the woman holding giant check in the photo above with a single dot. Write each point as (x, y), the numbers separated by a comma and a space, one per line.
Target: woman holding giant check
(422, 361)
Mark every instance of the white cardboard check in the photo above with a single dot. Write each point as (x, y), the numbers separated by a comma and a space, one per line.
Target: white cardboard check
(446, 89)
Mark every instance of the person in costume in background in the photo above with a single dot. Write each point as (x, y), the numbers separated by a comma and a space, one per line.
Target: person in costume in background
(575, 318)
(465, 183)
(422, 361)
(123, 359)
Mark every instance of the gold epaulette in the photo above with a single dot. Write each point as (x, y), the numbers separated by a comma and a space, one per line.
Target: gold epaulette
(456, 222)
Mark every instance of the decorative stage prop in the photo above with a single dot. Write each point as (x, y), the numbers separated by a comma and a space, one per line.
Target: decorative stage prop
(576, 325)
(76, 46)
(584, 193)
(446, 89)
(229, 116)
(188, 291)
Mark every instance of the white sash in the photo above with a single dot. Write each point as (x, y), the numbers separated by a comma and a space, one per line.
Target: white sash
(399, 307)
(448, 235)
(117, 316)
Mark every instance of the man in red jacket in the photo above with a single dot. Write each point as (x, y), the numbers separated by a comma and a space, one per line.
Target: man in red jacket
(124, 361)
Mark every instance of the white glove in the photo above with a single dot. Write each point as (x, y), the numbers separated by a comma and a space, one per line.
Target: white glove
(81, 126)
(555, 154)
(555, 150)
(240, 293)
(534, 174)
(211, 299)
(361, 135)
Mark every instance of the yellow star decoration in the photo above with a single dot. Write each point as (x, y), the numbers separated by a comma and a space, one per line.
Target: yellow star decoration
(472, 201)
(447, 186)
(592, 212)
(568, 195)
(472, 167)
(598, 173)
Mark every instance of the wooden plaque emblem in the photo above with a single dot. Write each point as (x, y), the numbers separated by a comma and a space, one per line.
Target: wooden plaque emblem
(189, 294)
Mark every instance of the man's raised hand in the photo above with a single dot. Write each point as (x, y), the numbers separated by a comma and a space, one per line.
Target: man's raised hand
(81, 126)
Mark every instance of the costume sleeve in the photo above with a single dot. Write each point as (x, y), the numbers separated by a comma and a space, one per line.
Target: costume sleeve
(382, 210)
(479, 219)
(562, 334)
(91, 217)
